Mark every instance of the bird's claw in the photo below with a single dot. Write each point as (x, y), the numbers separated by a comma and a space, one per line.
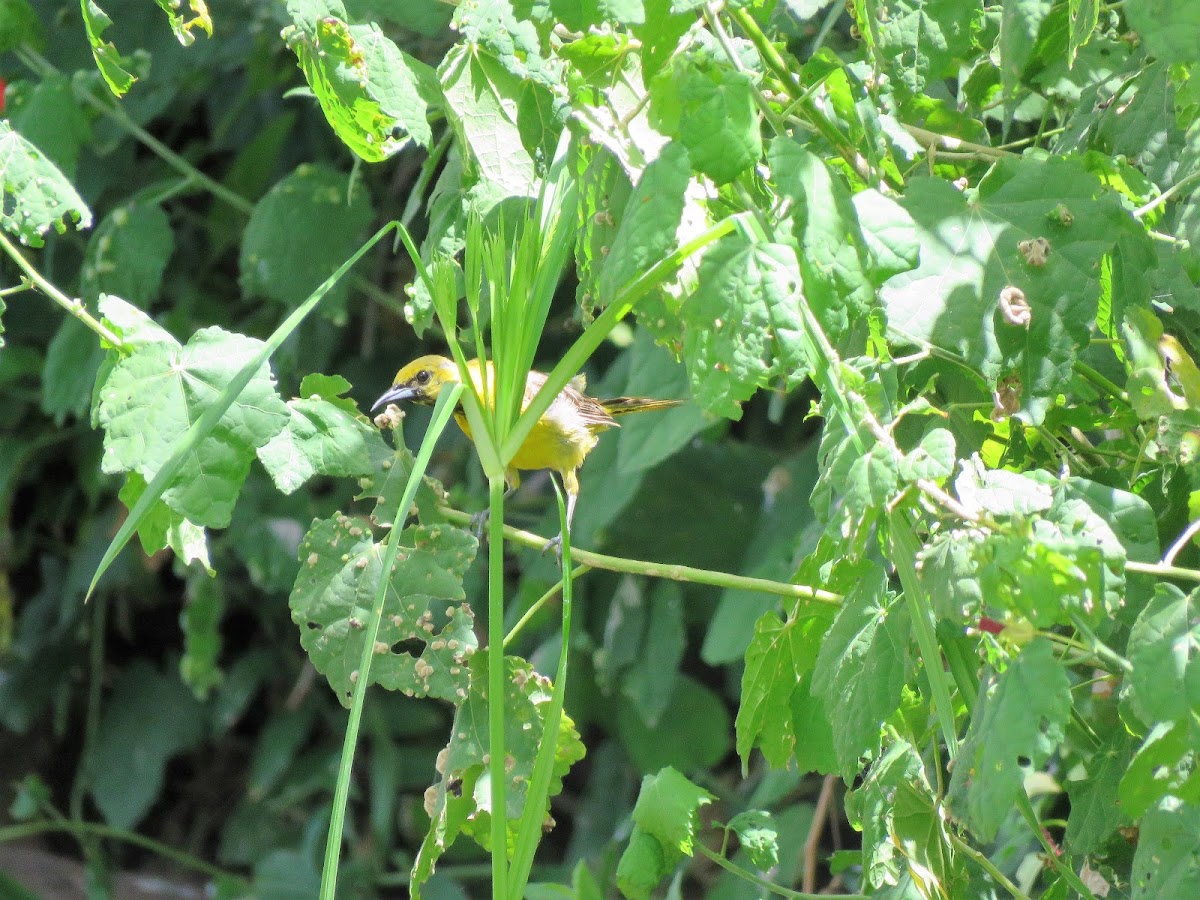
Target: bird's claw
(479, 523)
(556, 543)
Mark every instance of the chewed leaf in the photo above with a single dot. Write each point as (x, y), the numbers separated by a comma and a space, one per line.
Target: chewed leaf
(113, 66)
(324, 435)
(152, 397)
(425, 637)
(460, 801)
(34, 194)
(375, 96)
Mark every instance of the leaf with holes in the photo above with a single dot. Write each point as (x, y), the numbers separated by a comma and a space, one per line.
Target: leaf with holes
(425, 637)
(461, 800)
(34, 194)
(1017, 723)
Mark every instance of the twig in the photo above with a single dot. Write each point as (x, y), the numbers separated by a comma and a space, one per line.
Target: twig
(664, 570)
(820, 814)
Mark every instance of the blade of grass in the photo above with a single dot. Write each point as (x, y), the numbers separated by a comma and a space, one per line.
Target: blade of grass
(446, 402)
(208, 421)
(595, 333)
(529, 832)
(905, 548)
(496, 678)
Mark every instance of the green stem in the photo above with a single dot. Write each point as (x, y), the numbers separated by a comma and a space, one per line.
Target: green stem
(537, 796)
(71, 304)
(734, 869)
(91, 727)
(1098, 647)
(1065, 872)
(539, 603)
(905, 549)
(113, 111)
(29, 829)
(665, 570)
(1165, 195)
(796, 91)
(987, 865)
(447, 401)
(496, 679)
(1101, 382)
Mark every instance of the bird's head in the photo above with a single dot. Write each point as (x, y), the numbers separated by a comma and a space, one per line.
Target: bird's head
(420, 381)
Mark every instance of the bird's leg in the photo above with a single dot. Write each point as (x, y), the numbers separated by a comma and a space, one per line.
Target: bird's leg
(479, 521)
(571, 485)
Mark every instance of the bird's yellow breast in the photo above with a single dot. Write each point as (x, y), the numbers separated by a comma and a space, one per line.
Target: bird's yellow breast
(559, 440)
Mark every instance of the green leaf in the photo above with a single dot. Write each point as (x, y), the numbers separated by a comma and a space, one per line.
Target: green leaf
(888, 235)
(660, 34)
(580, 15)
(644, 863)
(1020, 21)
(375, 96)
(710, 110)
(648, 223)
(34, 192)
(1164, 765)
(645, 441)
(148, 718)
(325, 435)
(313, 208)
(873, 480)
(460, 800)
(861, 668)
(1017, 723)
(163, 527)
(18, 25)
(128, 253)
(152, 397)
(780, 654)
(113, 66)
(933, 458)
(922, 40)
(650, 683)
(50, 117)
(72, 360)
(900, 827)
(972, 249)
(743, 327)
(1171, 30)
(425, 637)
(201, 623)
(1163, 647)
(831, 248)
(668, 809)
(181, 25)
(1085, 15)
(1167, 861)
(1095, 800)
(758, 836)
(482, 96)
(698, 721)
(134, 327)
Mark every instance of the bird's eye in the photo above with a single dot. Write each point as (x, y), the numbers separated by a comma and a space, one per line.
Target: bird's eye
(423, 377)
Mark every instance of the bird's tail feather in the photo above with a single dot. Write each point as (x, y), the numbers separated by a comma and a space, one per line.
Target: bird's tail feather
(619, 406)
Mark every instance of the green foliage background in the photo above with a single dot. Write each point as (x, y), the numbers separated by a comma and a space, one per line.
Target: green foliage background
(944, 407)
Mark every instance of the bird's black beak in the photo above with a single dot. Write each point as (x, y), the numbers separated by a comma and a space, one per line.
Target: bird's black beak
(398, 394)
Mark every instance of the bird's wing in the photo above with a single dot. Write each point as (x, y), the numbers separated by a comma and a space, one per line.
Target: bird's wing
(590, 412)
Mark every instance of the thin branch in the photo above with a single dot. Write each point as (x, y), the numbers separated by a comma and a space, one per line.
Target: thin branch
(929, 138)
(664, 570)
(73, 305)
(1182, 541)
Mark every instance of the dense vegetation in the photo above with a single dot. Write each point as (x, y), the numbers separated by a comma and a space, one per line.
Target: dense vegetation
(899, 603)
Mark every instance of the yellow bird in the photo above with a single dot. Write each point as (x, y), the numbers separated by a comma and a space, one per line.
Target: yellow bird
(560, 440)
